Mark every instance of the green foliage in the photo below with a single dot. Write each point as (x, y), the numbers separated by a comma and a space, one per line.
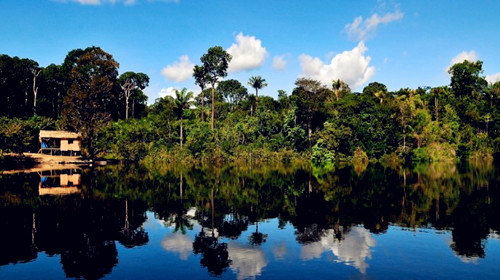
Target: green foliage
(322, 124)
(17, 135)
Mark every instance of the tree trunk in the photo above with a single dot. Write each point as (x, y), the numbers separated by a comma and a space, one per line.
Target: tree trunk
(133, 109)
(256, 98)
(213, 108)
(251, 109)
(126, 106)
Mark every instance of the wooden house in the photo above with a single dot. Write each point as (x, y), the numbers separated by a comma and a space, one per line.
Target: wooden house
(57, 142)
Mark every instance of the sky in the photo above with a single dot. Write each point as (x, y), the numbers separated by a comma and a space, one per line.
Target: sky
(398, 43)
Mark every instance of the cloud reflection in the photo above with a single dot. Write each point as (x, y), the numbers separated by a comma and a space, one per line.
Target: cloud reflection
(178, 243)
(354, 249)
(247, 262)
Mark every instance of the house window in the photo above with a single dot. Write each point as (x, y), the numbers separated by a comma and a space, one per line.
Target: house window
(70, 141)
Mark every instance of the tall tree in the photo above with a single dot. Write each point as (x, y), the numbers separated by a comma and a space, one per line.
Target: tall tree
(466, 79)
(201, 79)
(130, 83)
(87, 105)
(309, 96)
(183, 100)
(257, 83)
(233, 91)
(215, 63)
(35, 71)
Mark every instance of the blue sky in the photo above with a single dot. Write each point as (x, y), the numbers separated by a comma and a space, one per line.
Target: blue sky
(401, 44)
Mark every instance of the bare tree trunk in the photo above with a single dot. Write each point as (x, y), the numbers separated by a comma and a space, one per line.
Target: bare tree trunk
(126, 106)
(35, 88)
(213, 108)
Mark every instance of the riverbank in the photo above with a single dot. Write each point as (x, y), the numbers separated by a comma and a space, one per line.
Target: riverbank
(34, 162)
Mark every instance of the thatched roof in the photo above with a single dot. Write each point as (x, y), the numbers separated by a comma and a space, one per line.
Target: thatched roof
(59, 134)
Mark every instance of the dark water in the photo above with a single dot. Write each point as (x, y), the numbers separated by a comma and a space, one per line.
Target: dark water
(247, 223)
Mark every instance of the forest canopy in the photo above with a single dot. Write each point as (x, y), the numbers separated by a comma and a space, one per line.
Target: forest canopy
(228, 122)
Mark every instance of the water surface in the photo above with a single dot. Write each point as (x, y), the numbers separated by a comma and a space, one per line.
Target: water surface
(122, 222)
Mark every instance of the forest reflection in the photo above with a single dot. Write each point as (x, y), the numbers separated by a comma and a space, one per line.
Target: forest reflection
(209, 210)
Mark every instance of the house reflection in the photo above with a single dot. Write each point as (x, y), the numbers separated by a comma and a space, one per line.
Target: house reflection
(59, 182)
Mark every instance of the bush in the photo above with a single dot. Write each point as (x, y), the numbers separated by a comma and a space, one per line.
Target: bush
(435, 152)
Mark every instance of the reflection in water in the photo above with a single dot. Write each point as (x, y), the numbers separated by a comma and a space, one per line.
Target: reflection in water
(279, 251)
(214, 218)
(59, 182)
(247, 262)
(178, 243)
(353, 248)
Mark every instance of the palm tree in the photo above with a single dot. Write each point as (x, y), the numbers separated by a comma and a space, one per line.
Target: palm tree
(380, 95)
(338, 87)
(183, 100)
(257, 83)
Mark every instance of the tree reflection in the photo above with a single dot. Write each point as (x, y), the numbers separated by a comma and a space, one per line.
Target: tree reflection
(335, 211)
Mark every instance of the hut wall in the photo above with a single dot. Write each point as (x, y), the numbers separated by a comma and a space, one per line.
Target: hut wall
(74, 179)
(66, 146)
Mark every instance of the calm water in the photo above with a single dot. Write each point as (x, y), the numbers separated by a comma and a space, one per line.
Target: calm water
(234, 223)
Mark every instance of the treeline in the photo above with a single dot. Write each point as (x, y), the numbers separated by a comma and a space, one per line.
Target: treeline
(317, 122)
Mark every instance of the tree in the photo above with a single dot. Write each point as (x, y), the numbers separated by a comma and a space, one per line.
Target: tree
(233, 91)
(201, 79)
(35, 71)
(86, 107)
(465, 78)
(183, 100)
(215, 64)
(130, 83)
(309, 96)
(340, 87)
(257, 83)
(372, 88)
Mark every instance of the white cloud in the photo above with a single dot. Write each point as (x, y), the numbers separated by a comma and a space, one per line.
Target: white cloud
(470, 56)
(247, 53)
(170, 91)
(247, 262)
(279, 62)
(361, 30)
(178, 243)
(179, 71)
(353, 250)
(350, 66)
(493, 78)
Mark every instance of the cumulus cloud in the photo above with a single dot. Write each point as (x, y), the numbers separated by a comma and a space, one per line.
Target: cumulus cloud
(179, 71)
(247, 262)
(361, 29)
(470, 56)
(353, 67)
(493, 78)
(279, 62)
(248, 53)
(353, 250)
